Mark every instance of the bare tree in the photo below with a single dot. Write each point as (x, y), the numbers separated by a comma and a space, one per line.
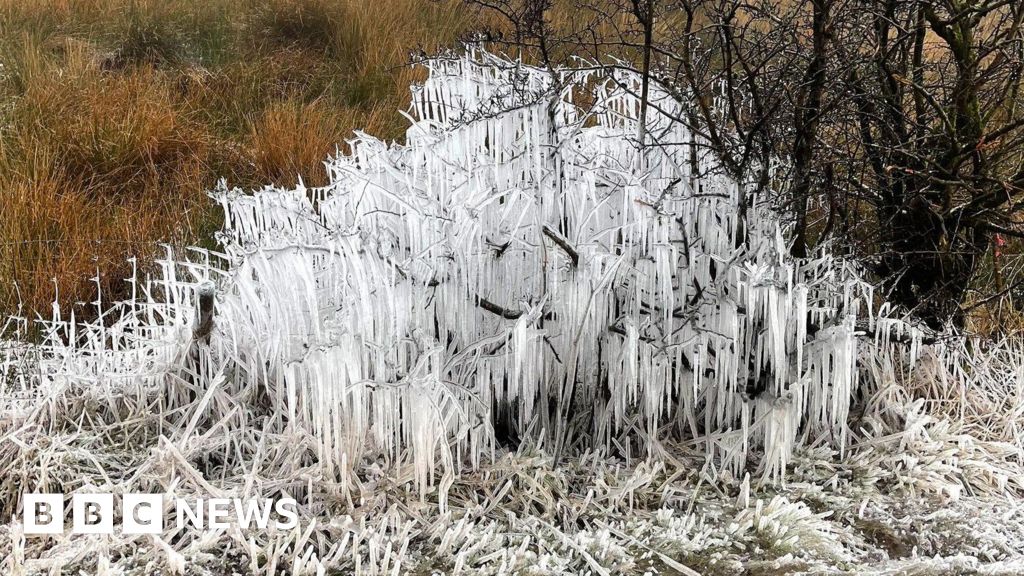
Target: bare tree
(902, 114)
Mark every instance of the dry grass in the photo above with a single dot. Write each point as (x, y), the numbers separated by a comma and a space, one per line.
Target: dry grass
(95, 167)
(117, 115)
(279, 157)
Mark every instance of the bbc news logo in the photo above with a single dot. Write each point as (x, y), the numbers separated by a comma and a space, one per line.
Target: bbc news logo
(144, 513)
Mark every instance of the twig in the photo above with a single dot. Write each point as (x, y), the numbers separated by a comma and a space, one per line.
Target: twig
(557, 238)
(204, 313)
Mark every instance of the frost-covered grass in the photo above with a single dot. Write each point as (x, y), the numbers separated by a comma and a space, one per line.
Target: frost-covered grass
(524, 515)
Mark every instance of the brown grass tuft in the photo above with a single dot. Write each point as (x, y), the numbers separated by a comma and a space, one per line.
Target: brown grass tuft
(95, 168)
(117, 115)
(291, 138)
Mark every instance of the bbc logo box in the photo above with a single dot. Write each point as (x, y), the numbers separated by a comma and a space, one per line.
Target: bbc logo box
(92, 514)
(44, 513)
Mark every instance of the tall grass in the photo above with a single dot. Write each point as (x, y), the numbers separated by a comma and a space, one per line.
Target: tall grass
(117, 115)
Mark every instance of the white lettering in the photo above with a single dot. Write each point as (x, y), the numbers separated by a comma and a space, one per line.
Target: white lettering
(287, 508)
(142, 513)
(182, 510)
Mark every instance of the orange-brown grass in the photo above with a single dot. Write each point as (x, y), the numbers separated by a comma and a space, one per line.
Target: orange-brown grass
(291, 139)
(117, 115)
(95, 167)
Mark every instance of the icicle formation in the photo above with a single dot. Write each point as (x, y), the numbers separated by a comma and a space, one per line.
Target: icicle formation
(519, 267)
(518, 264)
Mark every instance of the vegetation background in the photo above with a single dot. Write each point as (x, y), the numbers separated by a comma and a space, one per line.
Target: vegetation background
(116, 117)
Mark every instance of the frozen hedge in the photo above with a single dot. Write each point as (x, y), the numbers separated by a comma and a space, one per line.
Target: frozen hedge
(519, 268)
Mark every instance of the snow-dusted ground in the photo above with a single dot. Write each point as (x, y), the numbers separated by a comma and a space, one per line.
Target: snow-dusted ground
(885, 509)
(688, 397)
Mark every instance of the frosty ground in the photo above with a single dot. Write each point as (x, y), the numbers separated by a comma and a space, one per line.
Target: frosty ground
(917, 499)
